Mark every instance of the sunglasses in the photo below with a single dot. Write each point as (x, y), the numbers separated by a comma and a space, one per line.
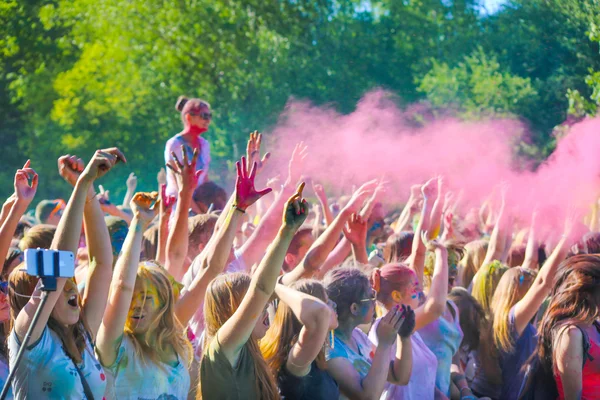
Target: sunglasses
(4, 287)
(207, 116)
(371, 299)
(523, 273)
(58, 209)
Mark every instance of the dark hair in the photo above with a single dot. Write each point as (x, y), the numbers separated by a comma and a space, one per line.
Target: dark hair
(398, 247)
(345, 286)
(210, 193)
(22, 227)
(150, 243)
(574, 301)
(185, 105)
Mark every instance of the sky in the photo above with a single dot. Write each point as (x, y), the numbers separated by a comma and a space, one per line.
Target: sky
(492, 5)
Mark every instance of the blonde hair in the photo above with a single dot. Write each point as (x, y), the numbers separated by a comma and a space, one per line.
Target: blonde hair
(283, 333)
(223, 297)
(168, 332)
(511, 288)
(486, 282)
(455, 254)
(472, 261)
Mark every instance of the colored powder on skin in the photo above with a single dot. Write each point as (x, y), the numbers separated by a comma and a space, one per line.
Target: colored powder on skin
(378, 139)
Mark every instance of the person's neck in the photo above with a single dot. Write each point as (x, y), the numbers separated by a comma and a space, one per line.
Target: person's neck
(344, 330)
(193, 130)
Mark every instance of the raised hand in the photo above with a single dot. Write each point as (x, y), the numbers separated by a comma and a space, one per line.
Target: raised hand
(296, 210)
(131, 182)
(143, 208)
(253, 152)
(161, 177)
(359, 196)
(407, 328)
(296, 164)
(70, 167)
(448, 201)
(24, 191)
(356, 230)
(185, 173)
(102, 161)
(429, 189)
(166, 201)
(389, 326)
(245, 192)
(415, 192)
(103, 196)
(432, 245)
(319, 191)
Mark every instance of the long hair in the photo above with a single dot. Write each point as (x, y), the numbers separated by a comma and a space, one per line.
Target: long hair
(477, 332)
(484, 286)
(223, 297)
(574, 301)
(165, 332)
(20, 288)
(283, 333)
(398, 247)
(472, 261)
(512, 287)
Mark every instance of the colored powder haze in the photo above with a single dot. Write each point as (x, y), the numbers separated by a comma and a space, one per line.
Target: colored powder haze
(377, 140)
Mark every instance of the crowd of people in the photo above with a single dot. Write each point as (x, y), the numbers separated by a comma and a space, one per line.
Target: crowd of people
(185, 293)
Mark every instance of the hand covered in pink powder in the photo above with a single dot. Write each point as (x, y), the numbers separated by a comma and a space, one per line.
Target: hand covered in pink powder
(245, 192)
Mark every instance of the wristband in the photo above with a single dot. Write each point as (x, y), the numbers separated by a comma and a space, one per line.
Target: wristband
(469, 397)
(235, 206)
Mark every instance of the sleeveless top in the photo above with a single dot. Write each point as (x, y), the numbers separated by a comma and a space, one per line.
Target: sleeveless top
(443, 338)
(590, 375)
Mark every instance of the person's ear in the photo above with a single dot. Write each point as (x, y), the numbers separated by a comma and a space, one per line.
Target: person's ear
(188, 118)
(290, 260)
(397, 297)
(354, 309)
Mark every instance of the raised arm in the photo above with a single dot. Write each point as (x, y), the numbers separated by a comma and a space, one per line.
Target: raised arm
(97, 238)
(315, 317)
(498, 239)
(177, 242)
(21, 199)
(215, 255)
(254, 248)
(66, 238)
(6, 207)
(318, 252)
(436, 211)
(529, 305)
(111, 330)
(164, 215)
(355, 232)
(236, 331)
(322, 197)
(435, 303)
(417, 255)
(408, 210)
(131, 185)
(531, 251)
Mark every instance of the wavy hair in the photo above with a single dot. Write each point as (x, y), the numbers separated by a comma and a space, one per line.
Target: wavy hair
(165, 332)
(486, 282)
(472, 261)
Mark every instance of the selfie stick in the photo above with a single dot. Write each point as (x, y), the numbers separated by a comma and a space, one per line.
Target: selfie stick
(48, 285)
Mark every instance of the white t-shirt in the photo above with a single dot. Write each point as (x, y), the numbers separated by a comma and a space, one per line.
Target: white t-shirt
(47, 372)
(196, 324)
(422, 378)
(130, 378)
(174, 145)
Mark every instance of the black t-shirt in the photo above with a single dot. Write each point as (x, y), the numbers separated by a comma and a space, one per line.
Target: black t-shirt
(317, 385)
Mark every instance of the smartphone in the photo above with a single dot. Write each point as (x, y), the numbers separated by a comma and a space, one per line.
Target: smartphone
(50, 263)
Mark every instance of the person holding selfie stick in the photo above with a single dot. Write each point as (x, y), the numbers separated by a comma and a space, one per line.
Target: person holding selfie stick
(196, 118)
(59, 361)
